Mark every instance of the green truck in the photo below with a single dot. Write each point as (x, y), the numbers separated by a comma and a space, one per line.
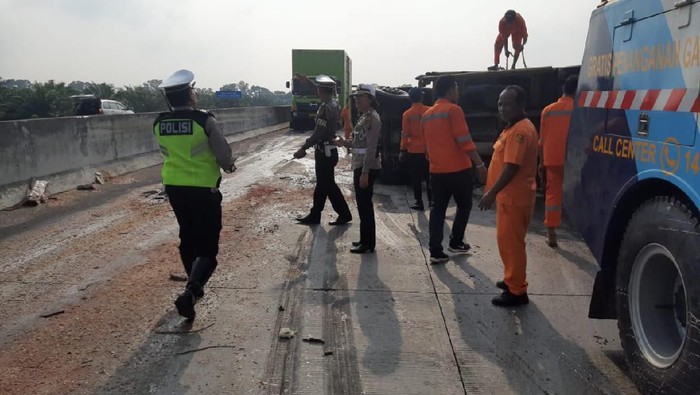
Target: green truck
(312, 62)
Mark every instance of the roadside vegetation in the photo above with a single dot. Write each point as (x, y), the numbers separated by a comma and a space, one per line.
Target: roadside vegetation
(22, 99)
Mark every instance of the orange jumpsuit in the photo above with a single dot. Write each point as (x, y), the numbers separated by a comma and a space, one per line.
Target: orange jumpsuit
(517, 144)
(411, 132)
(412, 142)
(516, 30)
(347, 123)
(554, 127)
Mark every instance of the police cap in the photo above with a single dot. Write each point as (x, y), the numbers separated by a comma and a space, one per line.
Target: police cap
(325, 81)
(180, 80)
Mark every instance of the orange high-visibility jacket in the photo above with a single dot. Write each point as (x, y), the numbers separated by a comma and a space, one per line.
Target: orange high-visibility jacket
(517, 145)
(447, 138)
(411, 134)
(554, 128)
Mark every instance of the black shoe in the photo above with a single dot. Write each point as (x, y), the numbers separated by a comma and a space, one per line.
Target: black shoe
(185, 304)
(418, 206)
(361, 249)
(507, 299)
(500, 284)
(438, 257)
(493, 68)
(459, 248)
(341, 220)
(356, 243)
(309, 220)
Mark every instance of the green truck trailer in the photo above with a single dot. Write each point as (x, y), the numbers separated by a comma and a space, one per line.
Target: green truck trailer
(312, 62)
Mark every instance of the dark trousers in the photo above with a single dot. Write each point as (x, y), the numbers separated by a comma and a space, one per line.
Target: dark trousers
(326, 186)
(418, 168)
(198, 212)
(445, 186)
(365, 207)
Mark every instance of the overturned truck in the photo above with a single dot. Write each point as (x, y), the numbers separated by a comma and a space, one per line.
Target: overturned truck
(478, 97)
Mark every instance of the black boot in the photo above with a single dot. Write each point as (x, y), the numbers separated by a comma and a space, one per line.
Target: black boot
(202, 269)
(185, 304)
(342, 220)
(507, 299)
(310, 219)
(500, 284)
(418, 205)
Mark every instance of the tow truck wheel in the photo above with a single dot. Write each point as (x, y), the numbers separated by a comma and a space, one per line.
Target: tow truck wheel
(658, 292)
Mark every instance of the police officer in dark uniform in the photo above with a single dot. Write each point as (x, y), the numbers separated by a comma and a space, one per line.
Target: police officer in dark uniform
(325, 156)
(194, 148)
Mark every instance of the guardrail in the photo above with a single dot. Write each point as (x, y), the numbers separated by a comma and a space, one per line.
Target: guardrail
(67, 151)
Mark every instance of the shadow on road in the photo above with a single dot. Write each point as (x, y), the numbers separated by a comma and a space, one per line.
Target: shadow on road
(533, 355)
(377, 319)
(157, 366)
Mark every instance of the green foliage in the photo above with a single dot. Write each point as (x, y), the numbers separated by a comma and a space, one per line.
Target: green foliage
(21, 99)
(142, 98)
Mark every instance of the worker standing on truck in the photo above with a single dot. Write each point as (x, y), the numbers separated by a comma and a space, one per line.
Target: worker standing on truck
(451, 153)
(413, 148)
(194, 149)
(554, 127)
(511, 25)
(325, 156)
(512, 184)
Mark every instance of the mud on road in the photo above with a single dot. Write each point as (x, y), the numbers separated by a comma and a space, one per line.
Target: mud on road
(88, 298)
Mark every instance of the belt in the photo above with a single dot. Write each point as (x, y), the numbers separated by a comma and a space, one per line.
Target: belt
(325, 144)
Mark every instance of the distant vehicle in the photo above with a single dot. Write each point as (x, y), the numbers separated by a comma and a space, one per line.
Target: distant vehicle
(312, 62)
(632, 183)
(92, 105)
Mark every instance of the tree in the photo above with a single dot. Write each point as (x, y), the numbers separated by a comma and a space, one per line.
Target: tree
(20, 99)
(205, 98)
(102, 90)
(142, 98)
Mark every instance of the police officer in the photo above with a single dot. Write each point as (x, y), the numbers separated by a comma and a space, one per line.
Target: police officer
(366, 164)
(194, 149)
(325, 156)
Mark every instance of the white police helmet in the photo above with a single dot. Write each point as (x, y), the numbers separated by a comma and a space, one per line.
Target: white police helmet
(181, 79)
(325, 81)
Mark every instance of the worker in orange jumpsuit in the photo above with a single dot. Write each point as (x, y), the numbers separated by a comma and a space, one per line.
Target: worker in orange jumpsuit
(554, 127)
(511, 25)
(511, 183)
(345, 116)
(412, 149)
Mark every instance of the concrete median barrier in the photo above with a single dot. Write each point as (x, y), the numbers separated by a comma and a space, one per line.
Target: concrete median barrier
(68, 151)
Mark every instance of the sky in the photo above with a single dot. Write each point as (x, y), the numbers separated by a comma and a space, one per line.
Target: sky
(390, 42)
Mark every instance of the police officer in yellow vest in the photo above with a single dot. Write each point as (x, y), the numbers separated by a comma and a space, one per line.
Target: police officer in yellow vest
(194, 149)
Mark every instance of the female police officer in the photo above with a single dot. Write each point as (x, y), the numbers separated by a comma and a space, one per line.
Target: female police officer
(366, 164)
(194, 148)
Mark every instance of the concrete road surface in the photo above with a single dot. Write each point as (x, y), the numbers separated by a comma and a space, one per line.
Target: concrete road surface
(88, 298)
